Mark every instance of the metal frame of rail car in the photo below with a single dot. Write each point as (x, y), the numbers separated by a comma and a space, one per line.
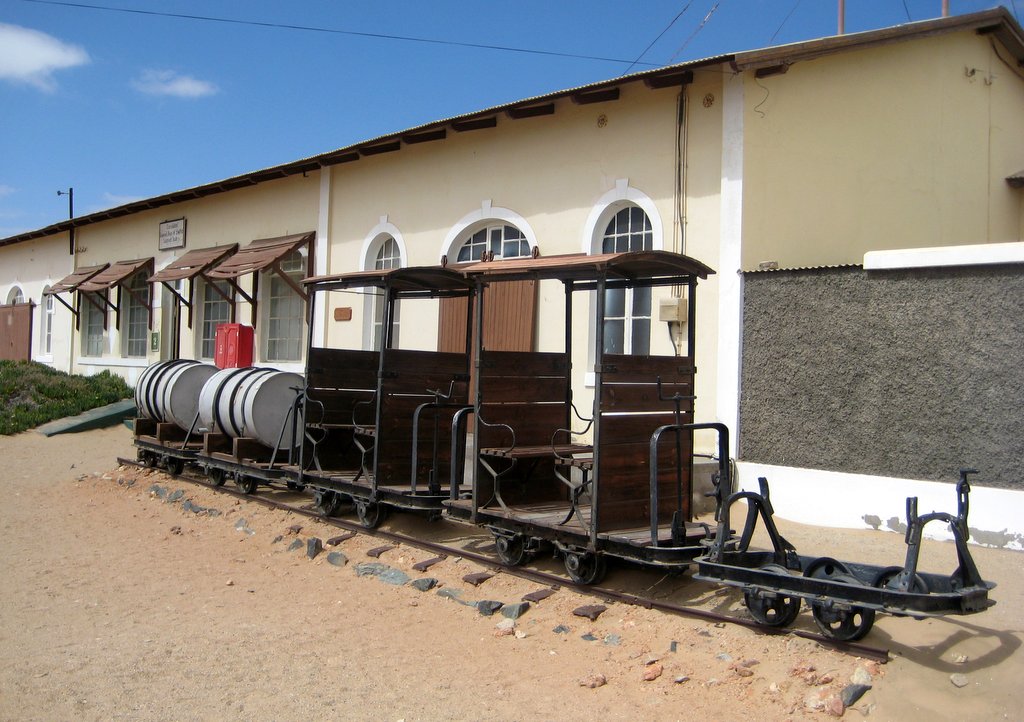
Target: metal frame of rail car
(585, 535)
(411, 390)
(843, 596)
(167, 445)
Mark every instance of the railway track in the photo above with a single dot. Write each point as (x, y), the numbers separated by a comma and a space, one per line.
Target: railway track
(604, 593)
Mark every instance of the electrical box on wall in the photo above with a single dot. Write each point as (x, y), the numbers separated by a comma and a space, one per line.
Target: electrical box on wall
(234, 346)
(154, 341)
(672, 310)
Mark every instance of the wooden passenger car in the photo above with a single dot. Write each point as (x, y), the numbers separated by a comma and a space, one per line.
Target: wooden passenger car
(613, 485)
(378, 423)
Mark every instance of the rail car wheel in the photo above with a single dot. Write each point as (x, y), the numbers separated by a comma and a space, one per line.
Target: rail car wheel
(826, 568)
(511, 549)
(888, 579)
(147, 459)
(772, 609)
(370, 513)
(217, 476)
(585, 567)
(327, 502)
(174, 466)
(843, 622)
(246, 484)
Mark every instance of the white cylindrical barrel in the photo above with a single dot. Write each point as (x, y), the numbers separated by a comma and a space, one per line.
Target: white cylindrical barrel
(149, 392)
(249, 402)
(179, 399)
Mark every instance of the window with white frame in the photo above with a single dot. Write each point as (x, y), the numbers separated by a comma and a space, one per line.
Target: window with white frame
(93, 316)
(46, 324)
(627, 322)
(15, 296)
(388, 255)
(285, 311)
(135, 316)
(502, 241)
(213, 311)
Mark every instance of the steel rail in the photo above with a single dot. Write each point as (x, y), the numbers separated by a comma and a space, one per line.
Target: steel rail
(877, 654)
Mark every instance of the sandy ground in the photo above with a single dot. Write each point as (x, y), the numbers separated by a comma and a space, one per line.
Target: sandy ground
(117, 604)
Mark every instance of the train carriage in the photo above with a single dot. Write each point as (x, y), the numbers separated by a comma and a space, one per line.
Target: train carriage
(598, 488)
(377, 423)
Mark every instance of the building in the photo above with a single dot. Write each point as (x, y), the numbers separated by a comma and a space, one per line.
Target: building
(859, 196)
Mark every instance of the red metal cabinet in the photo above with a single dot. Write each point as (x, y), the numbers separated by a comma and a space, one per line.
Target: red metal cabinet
(234, 346)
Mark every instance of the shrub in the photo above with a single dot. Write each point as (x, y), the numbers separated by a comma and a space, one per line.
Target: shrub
(32, 394)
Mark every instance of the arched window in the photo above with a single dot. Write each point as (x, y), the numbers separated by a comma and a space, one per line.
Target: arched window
(627, 322)
(388, 255)
(501, 241)
(15, 296)
(286, 311)
(135, 316)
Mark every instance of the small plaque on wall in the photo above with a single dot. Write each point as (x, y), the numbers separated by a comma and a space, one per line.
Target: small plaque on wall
(343, 314)
(172, 234)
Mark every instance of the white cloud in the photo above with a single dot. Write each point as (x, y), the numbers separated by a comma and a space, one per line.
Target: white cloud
(168, 82)
(32, 57)
(6, 190)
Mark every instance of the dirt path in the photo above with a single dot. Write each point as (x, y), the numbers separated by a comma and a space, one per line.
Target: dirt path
(118, 604)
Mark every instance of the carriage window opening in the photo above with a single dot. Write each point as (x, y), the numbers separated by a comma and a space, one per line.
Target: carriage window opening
(136, 316)
(627, 324)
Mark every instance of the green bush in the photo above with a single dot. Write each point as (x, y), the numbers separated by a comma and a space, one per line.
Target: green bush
(32, 394)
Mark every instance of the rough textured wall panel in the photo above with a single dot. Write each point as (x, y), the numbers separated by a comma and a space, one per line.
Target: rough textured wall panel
(911, 373)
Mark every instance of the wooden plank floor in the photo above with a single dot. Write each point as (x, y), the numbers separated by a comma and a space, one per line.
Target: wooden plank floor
(550, 515)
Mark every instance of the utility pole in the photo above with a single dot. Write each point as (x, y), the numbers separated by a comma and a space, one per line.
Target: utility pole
(70, 193)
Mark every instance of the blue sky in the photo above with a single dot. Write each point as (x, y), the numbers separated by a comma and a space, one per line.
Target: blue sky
(128, 105)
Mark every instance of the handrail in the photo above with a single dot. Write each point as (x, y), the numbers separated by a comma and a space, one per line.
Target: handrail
(722, 486)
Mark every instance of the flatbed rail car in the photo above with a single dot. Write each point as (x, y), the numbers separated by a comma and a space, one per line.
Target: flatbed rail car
(844, 596)
(591, 492)
(377, 423)
(173, 396)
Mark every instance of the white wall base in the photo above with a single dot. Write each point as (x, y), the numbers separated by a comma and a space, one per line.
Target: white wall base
(859, 501)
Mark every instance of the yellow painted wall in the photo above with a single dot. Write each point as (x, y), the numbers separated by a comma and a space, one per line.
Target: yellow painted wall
(271, 209)
(552, 171)
(882, 148)
(33, 266)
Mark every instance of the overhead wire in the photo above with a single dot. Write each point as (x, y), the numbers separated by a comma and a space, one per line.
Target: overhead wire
(651, 44)
(695, 32)
(784, 21)
(338, 31)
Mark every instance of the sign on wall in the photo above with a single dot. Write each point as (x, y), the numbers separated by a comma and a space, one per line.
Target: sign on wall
(172, 234)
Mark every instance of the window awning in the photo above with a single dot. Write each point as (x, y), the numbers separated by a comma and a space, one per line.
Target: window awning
(193, 263)
(94, 289)
(71, 282)
(1016, 180)
(114, 275)
(260, 255)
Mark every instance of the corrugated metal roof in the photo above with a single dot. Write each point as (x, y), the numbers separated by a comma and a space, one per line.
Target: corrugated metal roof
(1016, 180)
(997, 21)
(829, 266)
